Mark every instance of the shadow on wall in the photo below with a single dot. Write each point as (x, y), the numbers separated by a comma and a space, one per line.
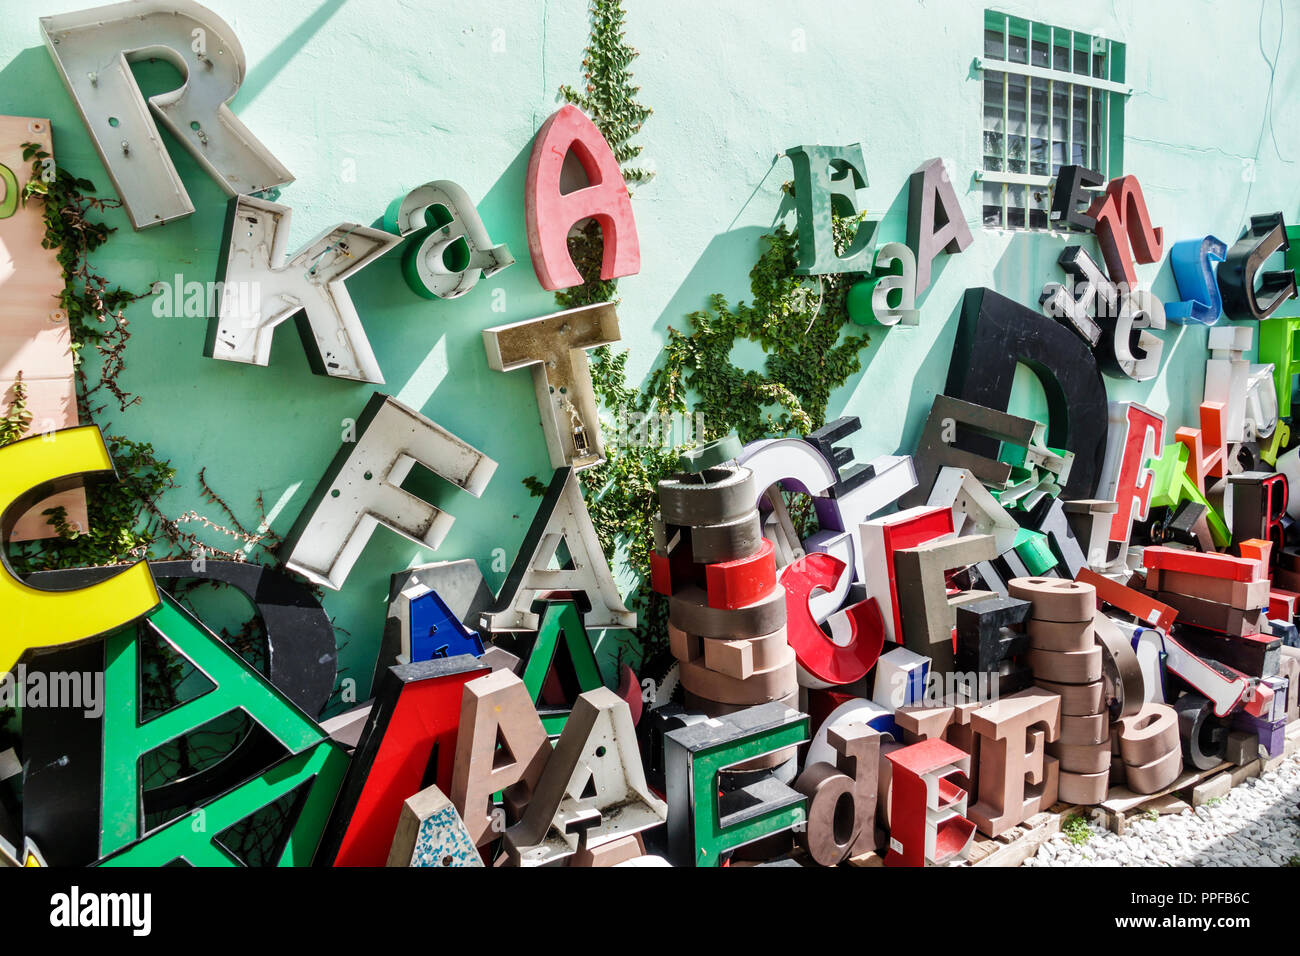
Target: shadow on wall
(732, 252)
(728, 253)
(261, 76)
(413, 325)
(893, 224)
(1025, 253)
(502, 210)
(735, 252)
(31, 70)
(933, 368)
(19, 77)
(1035, 254)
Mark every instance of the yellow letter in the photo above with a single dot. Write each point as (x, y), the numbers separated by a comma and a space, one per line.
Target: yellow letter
(30, 471)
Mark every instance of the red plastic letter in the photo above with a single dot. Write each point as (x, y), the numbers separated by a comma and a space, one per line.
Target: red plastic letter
(831, 660)
(550, 213)
(1142, 436)
(1207, 445)
(1124, 229)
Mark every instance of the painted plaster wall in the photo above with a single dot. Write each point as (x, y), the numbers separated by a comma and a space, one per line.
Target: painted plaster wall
(364, 99)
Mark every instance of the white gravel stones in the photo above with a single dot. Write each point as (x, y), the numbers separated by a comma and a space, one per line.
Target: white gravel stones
(1255, 824)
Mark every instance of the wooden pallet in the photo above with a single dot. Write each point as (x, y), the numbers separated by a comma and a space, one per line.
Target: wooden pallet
(1020, 842)
(1008, 849)
(1121, 808)
(1218, 785)
(1191, 789)
(870, 858)
(1119, 813)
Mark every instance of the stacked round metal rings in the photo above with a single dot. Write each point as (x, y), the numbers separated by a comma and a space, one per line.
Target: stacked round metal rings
(1066, 659)
(726, 611)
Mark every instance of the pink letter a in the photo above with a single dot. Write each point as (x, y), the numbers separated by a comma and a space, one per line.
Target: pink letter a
(550, 214)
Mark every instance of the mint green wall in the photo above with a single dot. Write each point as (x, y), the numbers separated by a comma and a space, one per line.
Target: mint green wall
(401, 93)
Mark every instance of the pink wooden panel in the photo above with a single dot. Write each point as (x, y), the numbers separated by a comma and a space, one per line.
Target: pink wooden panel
(34, 337)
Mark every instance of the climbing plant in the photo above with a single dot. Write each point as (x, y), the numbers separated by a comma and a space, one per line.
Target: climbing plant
(799, 324)
(620, 492)
(609, 98)
(17, 419)
(695, 385)
(125, 519)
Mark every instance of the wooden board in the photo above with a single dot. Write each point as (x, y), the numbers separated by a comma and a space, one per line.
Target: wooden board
(1196, 787)
(1026, 839)
(1121, 806)
(870, 858)
(1122, 799)
(34, 336)
(1011, 848)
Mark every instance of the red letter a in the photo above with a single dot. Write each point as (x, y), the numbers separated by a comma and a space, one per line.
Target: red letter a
(550, 213)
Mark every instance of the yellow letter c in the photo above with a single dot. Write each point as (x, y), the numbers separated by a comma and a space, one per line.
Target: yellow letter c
(30, 471)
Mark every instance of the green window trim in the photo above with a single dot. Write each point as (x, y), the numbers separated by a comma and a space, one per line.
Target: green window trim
(1032, 74)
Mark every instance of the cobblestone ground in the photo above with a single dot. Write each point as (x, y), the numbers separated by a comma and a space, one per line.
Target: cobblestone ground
(1256, 824)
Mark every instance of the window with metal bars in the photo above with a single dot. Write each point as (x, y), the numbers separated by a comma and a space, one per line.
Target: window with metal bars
(1052, 97)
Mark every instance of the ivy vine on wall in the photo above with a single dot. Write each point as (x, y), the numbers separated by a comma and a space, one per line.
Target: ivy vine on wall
(125, 519)
(800, 326)
(17, 419)
(799, 323)
(609, 98)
